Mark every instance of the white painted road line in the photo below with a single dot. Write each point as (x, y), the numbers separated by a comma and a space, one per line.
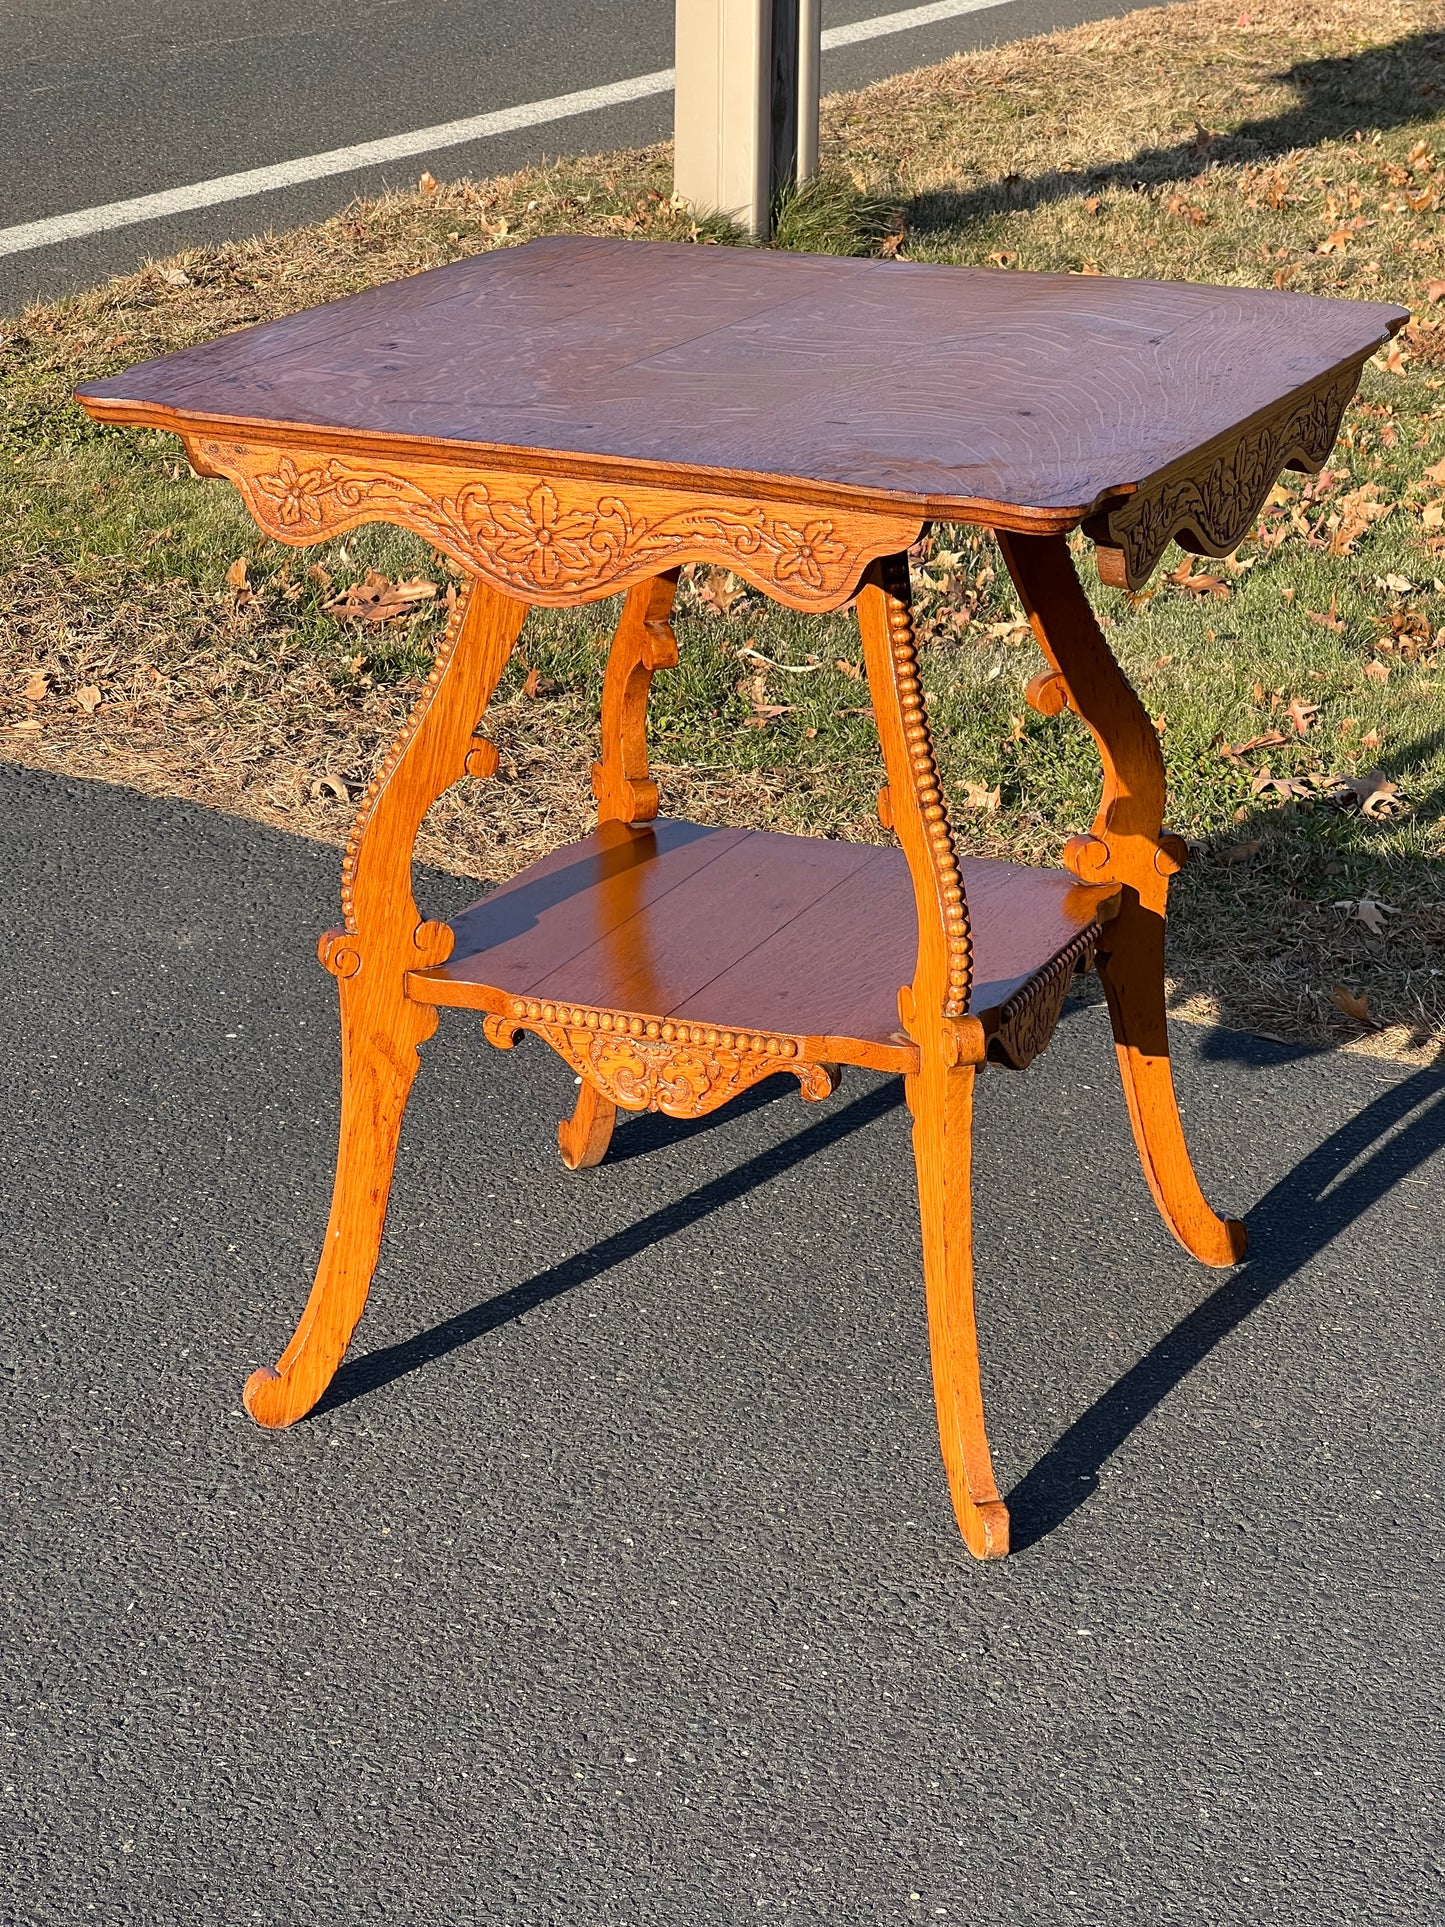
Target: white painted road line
(426, 140)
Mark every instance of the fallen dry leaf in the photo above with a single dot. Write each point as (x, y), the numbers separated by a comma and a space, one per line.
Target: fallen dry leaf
(1369, 911)
(1184, 578)
(718, 590)
(1185, 210)
(88, 698)
(1377, 671)
(1242, 852)
(427, 183)
(1355, 1008)
(1272, 739)
(533, 682)
(333, 785)
(1302, 714)
(977, 797)
(1283, 786)
(379, 599)
(1330, 620)
(852, 670)
(1373, 791)
(37, 689)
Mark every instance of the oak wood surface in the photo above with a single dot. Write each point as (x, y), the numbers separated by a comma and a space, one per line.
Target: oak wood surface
(577, 417)
(583, 1137)
(939, 1010)
(381, 1027)
(1126, 846)
(1024, 399)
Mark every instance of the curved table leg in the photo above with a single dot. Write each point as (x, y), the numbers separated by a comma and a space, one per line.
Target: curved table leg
(942, 1104)
(1128, 846)
(584, 1137)
(642, 644)
(940, 1093)
(381, 1027)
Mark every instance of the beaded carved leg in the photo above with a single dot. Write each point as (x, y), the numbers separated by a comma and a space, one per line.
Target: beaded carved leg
(1127, 846)
(950, 1043)
(381, 1026)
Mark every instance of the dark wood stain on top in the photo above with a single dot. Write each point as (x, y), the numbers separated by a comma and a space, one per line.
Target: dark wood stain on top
(934, 386)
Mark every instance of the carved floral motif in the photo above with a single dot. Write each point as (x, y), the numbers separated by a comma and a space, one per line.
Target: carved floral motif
(1212, 506)
(558, 540)
(652, 1064)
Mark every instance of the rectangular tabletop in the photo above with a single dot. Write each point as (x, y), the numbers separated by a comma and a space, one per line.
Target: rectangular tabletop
(945, 389)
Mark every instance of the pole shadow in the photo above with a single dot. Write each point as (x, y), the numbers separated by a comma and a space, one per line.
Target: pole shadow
(1337, 96)
(1293, 1222)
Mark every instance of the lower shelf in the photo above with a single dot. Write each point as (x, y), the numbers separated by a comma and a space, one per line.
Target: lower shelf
(746, 932)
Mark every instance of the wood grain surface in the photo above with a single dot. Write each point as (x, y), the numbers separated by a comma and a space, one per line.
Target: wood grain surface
(748, 930)
(1023, 398)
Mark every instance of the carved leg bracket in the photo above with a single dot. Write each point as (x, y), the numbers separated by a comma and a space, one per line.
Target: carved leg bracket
(643, 644)
(1127, 845)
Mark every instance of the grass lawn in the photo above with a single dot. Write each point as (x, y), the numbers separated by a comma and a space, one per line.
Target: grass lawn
(149, 634)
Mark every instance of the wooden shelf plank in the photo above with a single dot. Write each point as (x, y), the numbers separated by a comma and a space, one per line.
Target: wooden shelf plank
(750, 930)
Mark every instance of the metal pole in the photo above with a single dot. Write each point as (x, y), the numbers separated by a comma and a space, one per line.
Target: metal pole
(810, 47)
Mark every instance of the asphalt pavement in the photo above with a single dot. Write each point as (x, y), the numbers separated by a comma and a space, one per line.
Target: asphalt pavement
(616, 1581)
(104, 100)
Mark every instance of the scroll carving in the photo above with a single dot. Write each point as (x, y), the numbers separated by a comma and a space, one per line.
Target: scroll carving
(1211, 506)
(653, 1064)
(558, 539)
(1029, 1018)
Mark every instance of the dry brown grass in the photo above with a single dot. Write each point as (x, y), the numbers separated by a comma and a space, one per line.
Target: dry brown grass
(1286, 144)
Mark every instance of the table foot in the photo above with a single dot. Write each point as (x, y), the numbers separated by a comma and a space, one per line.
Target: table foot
(379, 1066)
(942, 1102)
(584, 1137)
(1132, 973)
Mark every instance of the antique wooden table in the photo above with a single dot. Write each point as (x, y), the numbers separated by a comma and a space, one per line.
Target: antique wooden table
(578, 417)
